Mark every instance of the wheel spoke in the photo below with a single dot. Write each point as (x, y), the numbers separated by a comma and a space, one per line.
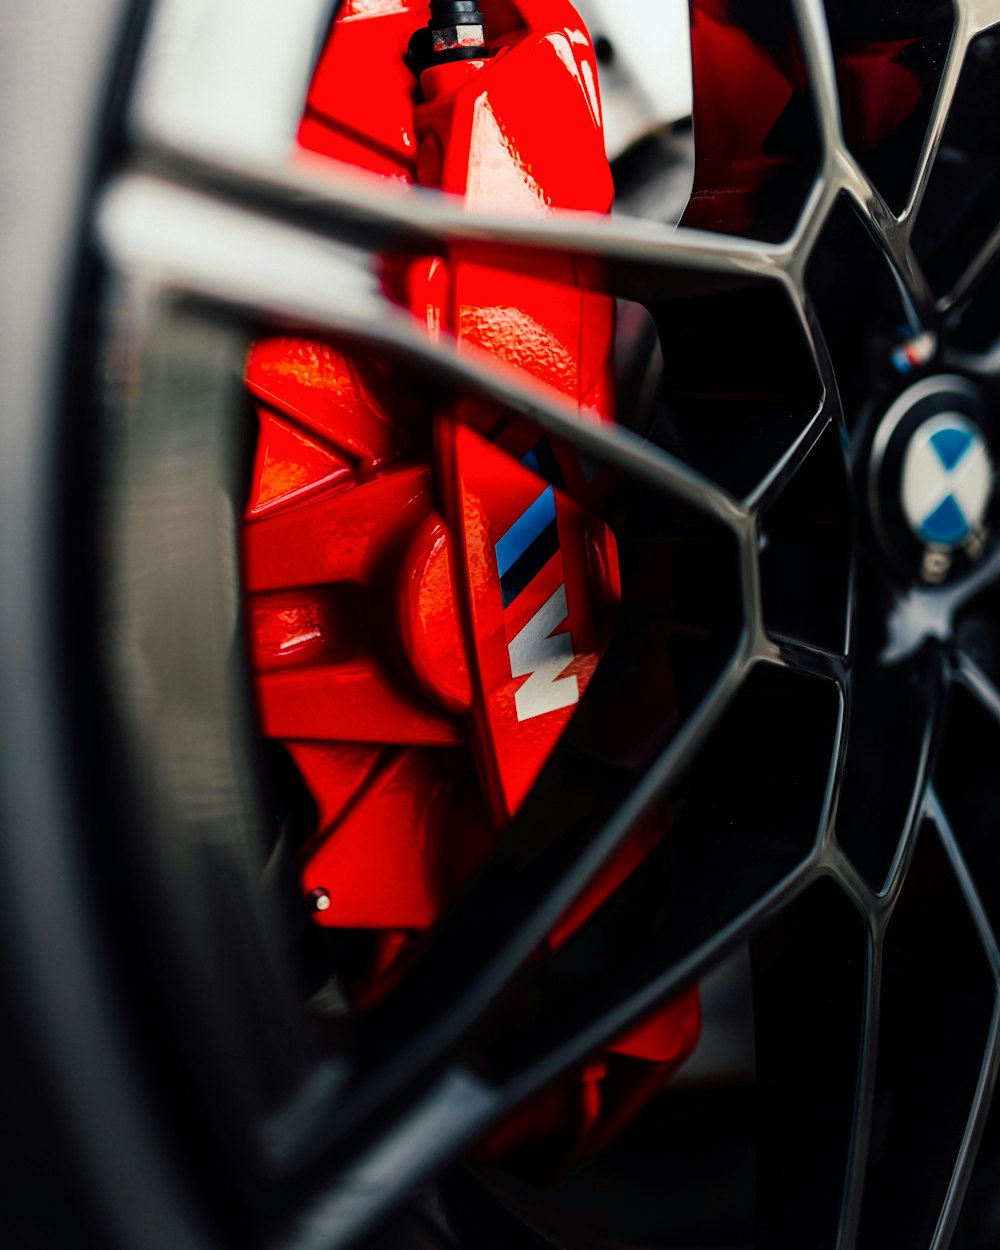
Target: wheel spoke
(185, 722)
(879, 813)
(768, 491)
(567, 1029)
(965, 780)
(939, 120)
(864, 1097)
(802, 658)
(850, 240)
(975, 272)
(937, 1012)
(891, 239)
(669, 919)
(964, 808)
(808, 521)
(952, 222)
(979, 15)
(548, 855)
(870, 155)
(338, 1208)
(979, 685)
(990, 1068)
(818, 55)
(194, 245)
(624, 256)
(191, 118)
(735, 417)
(984, 576)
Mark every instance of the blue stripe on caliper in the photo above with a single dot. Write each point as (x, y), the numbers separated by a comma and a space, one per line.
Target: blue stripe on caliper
(525, 530)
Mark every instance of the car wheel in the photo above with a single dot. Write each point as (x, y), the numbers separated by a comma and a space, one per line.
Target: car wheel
(798, 692)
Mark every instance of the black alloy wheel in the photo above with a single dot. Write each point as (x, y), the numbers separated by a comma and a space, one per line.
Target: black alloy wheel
(827, 760)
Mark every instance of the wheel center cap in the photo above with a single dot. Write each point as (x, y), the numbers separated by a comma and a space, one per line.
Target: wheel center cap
(947, 481)
(933, 477)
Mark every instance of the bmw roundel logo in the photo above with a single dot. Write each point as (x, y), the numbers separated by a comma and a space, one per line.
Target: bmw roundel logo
(931, 478)
(947, 481)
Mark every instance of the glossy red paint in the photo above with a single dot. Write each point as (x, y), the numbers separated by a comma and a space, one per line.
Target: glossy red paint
(425, 609)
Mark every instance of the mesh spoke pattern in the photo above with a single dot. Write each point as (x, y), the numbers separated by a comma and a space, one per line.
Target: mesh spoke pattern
(205, 241)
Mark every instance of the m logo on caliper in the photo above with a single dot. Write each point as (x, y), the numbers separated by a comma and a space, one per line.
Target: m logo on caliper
(521, 555)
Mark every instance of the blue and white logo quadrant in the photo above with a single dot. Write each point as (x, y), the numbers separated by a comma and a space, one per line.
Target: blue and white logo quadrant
(947, 482)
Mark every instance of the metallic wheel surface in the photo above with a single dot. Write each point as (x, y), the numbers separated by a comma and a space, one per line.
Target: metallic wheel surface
(799, 691)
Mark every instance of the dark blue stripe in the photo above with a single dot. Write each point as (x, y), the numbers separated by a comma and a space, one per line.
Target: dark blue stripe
(530, 564)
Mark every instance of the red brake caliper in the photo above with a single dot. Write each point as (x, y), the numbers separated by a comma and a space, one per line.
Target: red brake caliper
(426, 610)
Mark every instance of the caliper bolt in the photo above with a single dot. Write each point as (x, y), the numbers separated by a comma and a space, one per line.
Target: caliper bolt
(319, 899)
(455, 32)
